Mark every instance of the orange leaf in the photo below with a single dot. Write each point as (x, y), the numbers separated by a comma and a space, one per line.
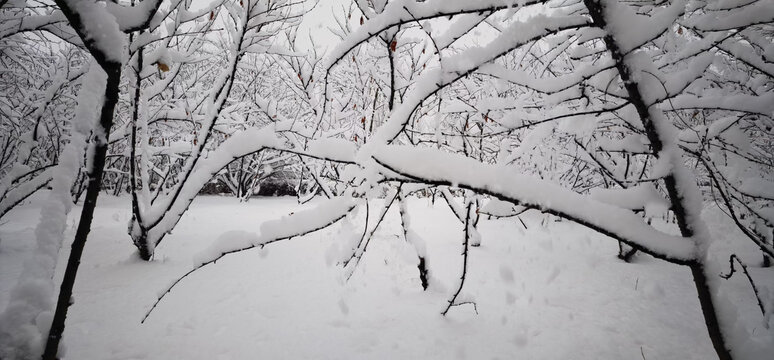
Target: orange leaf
(393, 45)
(162, 66)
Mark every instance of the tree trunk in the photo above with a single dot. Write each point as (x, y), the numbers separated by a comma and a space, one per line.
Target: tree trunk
(141, 242)
(87, 214)
(597, 13)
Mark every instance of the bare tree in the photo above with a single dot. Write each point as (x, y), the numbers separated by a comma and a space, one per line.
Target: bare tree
(158, 205)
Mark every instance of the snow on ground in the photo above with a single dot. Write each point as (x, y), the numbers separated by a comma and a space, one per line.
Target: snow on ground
(550, 292)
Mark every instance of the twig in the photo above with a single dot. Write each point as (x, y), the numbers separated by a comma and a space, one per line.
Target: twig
(749, 278)
(253, 246)
(465, 248)
(364, 241)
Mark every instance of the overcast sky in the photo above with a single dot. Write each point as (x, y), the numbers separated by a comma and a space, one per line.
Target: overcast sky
(318, 21)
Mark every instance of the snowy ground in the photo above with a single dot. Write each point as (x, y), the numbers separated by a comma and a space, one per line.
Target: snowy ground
(553, 292)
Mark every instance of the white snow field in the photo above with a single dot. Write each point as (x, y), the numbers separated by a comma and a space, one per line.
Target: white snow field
(553, 291)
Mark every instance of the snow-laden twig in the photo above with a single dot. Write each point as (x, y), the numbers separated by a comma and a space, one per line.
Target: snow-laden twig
(294, 225)
(362, 245)
(470, 214)
(732, 271)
